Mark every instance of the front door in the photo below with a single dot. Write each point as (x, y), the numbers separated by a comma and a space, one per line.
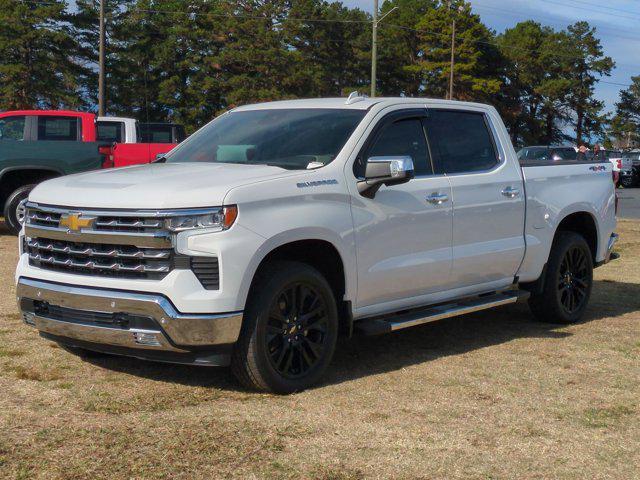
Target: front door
(403, 234)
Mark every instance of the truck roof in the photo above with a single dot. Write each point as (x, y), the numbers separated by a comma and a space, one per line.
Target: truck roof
(355, 103)
(116, 119)
(51, 113)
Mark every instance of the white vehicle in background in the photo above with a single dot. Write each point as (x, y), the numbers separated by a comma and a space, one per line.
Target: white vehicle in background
(117, 130)
(278, 225)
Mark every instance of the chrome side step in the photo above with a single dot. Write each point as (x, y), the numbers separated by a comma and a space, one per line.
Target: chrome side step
(391, 323)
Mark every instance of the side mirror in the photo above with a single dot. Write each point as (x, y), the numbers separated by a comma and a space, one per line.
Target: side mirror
(385, 171)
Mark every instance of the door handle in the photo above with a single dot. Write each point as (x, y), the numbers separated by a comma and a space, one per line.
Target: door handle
(510, 192)
(437, 198)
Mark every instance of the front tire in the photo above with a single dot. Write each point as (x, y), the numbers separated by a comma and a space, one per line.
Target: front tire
(14, 209)
(567, 282)
(289, 331)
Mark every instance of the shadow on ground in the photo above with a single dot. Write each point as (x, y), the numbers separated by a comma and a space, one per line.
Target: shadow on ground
(363, 356)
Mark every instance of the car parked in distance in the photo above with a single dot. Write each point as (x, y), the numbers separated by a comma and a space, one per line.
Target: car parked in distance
(278, 226)
(37, 145)
(543, 153)
(634, 157)
(622, 166)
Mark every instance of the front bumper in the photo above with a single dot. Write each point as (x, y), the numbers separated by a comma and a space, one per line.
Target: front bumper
(138, 324)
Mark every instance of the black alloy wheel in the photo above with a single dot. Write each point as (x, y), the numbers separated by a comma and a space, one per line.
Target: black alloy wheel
(296, 330)
(289, 329)
(574, 280)
(566, 281)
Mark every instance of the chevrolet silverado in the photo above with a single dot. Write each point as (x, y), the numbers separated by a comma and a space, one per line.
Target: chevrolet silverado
(278, 226)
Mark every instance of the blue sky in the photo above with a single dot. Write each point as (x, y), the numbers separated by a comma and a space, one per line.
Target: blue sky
(616, 21)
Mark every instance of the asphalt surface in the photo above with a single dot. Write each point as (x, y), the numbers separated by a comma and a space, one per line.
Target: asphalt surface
(629, 203)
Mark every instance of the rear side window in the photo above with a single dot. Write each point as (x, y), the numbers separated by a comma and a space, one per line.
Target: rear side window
(460, 141)
(12, 128)
(157, 133)
(58, 128)
(404, 138)
(110, 131)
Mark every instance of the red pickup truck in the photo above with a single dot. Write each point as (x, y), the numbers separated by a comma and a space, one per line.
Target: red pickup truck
(115, 154)
(36, 145)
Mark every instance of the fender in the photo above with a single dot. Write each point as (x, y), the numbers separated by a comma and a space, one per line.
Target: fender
(295, 235)
(4, 171)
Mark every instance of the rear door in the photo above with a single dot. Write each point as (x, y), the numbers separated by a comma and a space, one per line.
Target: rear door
(488, 196)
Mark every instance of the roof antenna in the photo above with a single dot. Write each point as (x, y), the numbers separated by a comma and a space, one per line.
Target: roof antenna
(354, 97)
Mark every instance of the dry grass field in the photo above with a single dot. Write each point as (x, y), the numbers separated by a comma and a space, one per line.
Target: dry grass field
(490, 395)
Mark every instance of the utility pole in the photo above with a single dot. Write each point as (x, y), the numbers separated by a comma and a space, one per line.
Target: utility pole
(374, 44)
(101, 101)
(453, 43)
(374, 48)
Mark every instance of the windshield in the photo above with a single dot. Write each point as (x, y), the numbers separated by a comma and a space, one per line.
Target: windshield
(287, 138)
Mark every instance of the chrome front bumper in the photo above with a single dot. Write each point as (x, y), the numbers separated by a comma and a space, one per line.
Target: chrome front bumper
(138, 322)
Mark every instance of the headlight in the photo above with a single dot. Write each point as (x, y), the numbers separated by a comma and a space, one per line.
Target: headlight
(221, 218)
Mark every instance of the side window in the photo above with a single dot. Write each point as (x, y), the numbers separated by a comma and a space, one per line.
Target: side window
(157, 134)
(110, 131)
(58, 128)
(12, 128)
(460, 141)
(404, 138)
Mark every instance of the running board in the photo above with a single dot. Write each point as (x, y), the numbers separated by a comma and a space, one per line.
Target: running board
(391, 323)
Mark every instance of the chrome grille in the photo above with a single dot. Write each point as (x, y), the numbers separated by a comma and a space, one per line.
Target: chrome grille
(99, 259)
(42, 218)
(113, 243)
(128, 224)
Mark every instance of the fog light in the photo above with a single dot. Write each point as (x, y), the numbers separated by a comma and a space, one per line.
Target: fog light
(149, 339)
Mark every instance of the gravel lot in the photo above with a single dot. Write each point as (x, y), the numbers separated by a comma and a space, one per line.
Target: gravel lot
(488, 395)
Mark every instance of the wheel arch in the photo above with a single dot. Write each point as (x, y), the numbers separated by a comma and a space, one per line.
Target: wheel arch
(583, 223)
(13, 178)
(317, 249)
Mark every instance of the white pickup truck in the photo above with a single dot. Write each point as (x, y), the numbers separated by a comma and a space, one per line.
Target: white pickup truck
(277, 226)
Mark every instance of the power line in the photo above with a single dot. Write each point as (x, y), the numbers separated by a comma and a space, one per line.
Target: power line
(604, 12)
(551, 21)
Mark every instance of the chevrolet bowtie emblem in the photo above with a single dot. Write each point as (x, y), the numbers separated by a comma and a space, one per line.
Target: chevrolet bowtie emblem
(76, 222)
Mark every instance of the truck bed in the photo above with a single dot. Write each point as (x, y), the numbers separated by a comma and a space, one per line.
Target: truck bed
(555, 190)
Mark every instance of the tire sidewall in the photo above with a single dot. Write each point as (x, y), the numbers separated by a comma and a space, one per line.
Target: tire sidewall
(11, 205)
(565, 242)
(258, 311)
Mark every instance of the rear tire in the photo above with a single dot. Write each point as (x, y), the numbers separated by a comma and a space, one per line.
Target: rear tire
(12, 208)
(567, 281)
(289, 330)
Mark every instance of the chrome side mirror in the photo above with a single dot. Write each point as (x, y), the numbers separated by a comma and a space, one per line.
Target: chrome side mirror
(385, 171)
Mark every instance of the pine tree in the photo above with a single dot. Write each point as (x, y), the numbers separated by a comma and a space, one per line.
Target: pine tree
(42, 64)
(478, 63)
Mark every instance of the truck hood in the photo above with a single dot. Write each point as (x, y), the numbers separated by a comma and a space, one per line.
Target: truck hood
(153, 186)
